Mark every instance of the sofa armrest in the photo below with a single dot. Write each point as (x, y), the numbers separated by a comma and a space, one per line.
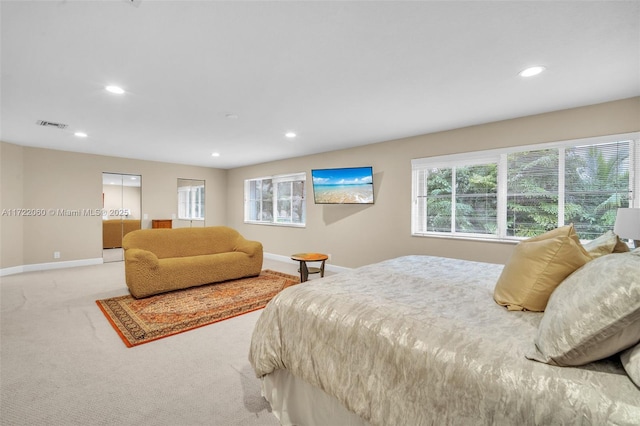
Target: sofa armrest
(141, 270)
(141, 258)
(251, 248)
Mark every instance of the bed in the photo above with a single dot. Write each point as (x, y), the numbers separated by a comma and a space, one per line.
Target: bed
(419, 340)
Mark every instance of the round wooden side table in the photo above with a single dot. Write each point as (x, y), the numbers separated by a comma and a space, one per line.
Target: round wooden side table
(305, 270)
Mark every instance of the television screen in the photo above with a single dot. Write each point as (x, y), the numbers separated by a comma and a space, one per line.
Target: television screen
(343, 186)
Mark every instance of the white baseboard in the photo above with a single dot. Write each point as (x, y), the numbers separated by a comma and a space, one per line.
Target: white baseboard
(50, 265)
(97, 261)
(287, 259)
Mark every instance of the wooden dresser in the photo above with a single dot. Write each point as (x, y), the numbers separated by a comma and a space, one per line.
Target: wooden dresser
(161, 223)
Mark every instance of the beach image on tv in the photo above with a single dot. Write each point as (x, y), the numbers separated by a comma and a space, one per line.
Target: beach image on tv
(343, 186)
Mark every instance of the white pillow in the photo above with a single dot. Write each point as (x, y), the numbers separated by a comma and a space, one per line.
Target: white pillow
(631, 363)
(606, 243)
(592, 314)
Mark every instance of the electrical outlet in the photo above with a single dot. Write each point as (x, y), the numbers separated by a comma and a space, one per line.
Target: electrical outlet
(329, 257)
(56, 255)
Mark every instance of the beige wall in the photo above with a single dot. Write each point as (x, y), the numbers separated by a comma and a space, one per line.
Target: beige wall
(358, 235)
(118, 197)
(11, 227)
(353, 235)
(49, 179)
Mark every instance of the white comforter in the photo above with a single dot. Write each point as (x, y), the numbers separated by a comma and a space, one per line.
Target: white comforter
(419, 340)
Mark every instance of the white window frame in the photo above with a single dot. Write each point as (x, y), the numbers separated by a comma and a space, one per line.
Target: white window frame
(189, 199)
(499, 157)
(275, 218)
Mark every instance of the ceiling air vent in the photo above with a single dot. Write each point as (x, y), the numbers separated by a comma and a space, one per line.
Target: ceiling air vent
(51, 124)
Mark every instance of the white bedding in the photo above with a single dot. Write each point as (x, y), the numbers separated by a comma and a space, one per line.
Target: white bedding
(419, 340)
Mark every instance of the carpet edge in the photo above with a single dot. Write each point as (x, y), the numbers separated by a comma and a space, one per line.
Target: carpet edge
(113, 324)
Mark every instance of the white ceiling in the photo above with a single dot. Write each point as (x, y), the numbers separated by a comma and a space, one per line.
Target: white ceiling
(340, 74)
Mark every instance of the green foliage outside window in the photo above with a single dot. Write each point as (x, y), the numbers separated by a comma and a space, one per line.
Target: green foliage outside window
(597, 182)
(583, 185)
(532, 194)
(475, 199)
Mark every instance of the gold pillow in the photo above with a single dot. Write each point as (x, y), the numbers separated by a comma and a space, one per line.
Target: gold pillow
(621, 247)
(606, 243)
(537, 266)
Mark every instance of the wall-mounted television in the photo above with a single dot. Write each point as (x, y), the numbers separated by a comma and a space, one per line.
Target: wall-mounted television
(351, 185)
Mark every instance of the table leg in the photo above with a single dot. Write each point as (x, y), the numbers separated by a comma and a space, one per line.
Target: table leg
(304, 272)
(322, 269)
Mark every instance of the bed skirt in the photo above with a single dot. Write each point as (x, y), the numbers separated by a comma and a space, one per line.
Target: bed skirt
(296, 402)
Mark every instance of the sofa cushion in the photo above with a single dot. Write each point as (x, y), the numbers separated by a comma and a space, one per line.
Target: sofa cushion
(537, 266)
(183, 242)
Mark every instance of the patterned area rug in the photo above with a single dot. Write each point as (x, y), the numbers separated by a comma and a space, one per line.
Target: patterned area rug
(139, 321)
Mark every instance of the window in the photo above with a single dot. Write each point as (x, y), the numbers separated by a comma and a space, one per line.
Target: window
(190, 199)
(526, 191)
(277, 200)
(459, 199)
(532, 192)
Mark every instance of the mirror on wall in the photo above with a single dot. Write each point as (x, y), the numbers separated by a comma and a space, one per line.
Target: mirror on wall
(121, 212)
(191, 202)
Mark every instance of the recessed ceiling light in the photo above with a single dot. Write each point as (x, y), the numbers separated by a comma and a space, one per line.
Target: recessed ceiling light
(115, 89)
(290, 134)
(80, 134)
(531, 71)
(215, 154)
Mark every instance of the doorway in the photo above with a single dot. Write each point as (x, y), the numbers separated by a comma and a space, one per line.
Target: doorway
(121, 212)
(191, 203)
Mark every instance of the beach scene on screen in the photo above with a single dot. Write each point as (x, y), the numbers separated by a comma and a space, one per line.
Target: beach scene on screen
(343, 186)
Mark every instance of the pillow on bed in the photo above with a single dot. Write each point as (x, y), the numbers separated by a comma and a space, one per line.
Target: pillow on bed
(593, 314)
(537, 266)
(606, 243)
(631, 363)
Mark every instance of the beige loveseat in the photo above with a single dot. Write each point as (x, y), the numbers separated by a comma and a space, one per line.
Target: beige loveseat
(161, 260)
